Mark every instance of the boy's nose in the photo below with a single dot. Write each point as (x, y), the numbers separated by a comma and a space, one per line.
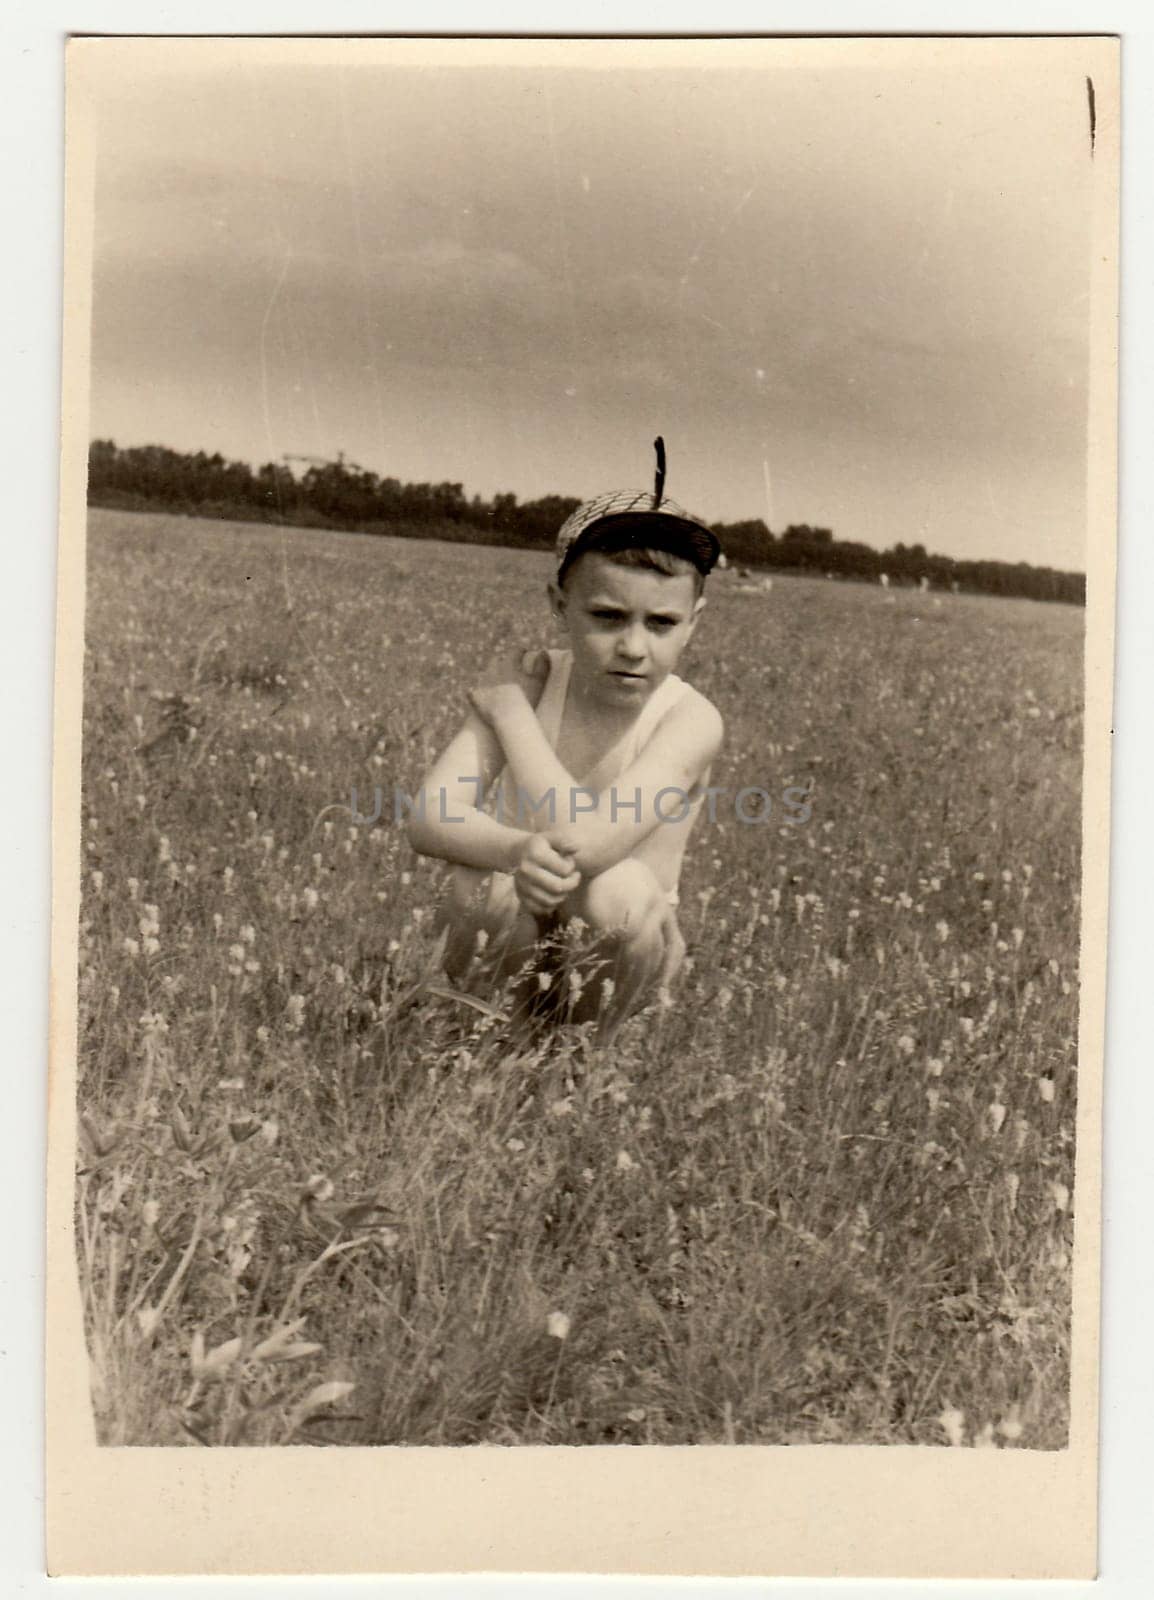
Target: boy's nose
(632, 644)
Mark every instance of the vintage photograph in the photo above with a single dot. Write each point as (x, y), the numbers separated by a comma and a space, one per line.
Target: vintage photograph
(581, 813)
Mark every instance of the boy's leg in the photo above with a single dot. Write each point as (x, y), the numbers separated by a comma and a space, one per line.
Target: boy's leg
(636, 937)
(485, 902)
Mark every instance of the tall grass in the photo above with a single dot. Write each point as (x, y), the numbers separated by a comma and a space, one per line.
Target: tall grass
(824, 1196)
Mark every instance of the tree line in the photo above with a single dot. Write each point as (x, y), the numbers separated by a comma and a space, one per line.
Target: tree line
(342, 495)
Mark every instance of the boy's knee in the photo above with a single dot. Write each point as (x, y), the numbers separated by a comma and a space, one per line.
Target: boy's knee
(625, 900)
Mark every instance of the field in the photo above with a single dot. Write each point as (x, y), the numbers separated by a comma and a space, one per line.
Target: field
(824, 1196)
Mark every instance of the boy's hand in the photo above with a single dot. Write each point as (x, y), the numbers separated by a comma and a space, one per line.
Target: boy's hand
(511, 679)
(544, 876)
(492, 701)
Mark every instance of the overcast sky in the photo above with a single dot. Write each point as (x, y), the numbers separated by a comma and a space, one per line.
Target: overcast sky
(845, 295)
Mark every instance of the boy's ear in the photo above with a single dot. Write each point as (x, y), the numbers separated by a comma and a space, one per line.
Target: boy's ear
(556, 598)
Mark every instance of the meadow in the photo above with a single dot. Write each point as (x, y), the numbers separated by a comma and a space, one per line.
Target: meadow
(825, 1195)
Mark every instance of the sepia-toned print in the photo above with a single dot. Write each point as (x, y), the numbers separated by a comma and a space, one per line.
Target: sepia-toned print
(588, 560)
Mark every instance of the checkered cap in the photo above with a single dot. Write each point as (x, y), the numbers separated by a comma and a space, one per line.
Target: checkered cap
(684, 531)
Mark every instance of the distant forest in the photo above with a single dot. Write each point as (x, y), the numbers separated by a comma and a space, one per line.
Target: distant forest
(342, 495)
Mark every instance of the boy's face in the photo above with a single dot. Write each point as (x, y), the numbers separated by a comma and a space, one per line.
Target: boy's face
(627, 626)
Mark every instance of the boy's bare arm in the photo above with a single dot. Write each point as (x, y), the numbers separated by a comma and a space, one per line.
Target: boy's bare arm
(447, 820)
(601, 830)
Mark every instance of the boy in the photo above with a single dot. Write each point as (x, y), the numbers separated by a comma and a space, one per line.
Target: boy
(600, 756)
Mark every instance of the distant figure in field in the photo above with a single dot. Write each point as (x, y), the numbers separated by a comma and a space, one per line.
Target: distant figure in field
(924, 585)
(884, 579)
(555, 795)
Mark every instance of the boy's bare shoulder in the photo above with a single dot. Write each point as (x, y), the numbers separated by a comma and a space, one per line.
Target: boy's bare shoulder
(694, 711)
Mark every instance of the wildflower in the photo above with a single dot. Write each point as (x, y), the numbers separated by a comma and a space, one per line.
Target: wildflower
(150, 1213)
(1060, 1195)
(147, 1318)
(270, 1131)
(906, 1045)
(1010, 1426)
(310, 898)
(544, 979)
(557, 1325)
(319, 1187)
(516, 1145)
(248, 934)
(295, 1011)
(625, 1162)
(228, 876)
(942, 929)
(984, 1438)
(935, 1067)
(133, 888)
(131, 948)
(164, 849)
(1013, 1183)
(1046, 1089)
(997, 1115)
(98, 882)
(262, 1035)
(230, 1085)
(952, 1423)
(339, 975)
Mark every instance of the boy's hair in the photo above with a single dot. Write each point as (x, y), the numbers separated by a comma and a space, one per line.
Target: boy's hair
(625, 552)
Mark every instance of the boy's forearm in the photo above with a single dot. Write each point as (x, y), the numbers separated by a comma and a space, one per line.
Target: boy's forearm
(577, 824)
(531, 758)
(470, 839)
